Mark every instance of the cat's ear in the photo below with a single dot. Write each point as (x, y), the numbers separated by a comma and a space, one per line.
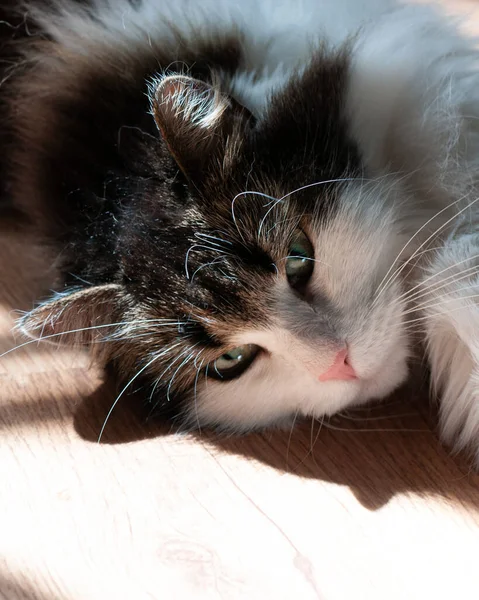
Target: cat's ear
(77, 317)
(194, 119)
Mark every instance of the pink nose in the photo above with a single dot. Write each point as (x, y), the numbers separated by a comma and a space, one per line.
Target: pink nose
(340, 369)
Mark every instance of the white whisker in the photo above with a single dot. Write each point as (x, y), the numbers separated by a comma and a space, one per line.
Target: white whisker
(213, 262)
(149, 363)
(184, 362)
(426, 306)
(211, 248)
(195, 391)
(328, 425)
(316, 260)
(387, 281)
(310, 185)
(80, 330)
(442, 283)
(241, 194)
(290, 436)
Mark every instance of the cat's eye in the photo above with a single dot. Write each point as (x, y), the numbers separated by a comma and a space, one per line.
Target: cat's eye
(300, 260)
(233, 363)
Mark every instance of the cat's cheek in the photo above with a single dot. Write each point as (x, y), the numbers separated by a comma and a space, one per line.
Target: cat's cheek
(265, 397)
(393, 376)
(228, 407)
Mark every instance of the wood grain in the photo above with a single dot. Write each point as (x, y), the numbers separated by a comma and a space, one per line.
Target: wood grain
(373, 509)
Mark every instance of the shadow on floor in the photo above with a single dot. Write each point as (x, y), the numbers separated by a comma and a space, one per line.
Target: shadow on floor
(378, 452)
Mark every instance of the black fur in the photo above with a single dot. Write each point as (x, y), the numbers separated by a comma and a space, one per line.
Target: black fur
(119, 208)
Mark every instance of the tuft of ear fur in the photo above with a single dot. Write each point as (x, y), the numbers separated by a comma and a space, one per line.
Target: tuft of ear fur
(194, 118)
(77, 317)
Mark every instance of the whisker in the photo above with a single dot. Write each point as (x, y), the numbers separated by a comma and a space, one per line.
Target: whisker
(310, 185)
(212, 237)
(149, 363)
(442, 283)
(437, 314)
(195, 391)
(213, 262)
(277, 201)
(328, 425)
(407, 295)
(418, 256)
(295, 218)
(211, 248)
(187, 359)
(308, 258)
(206, 375)
(70, 331)
(158, 380)
(290, 436)
(310, 452)
(233, 207)
(427, 306)
(376, 418)
(387, 281)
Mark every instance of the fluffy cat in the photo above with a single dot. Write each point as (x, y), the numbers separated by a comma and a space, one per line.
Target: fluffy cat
(256, 205)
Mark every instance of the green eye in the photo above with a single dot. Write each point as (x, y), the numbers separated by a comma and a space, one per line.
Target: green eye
(233, 363)
(300, 260)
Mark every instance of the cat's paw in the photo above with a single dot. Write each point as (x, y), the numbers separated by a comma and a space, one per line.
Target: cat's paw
(451, 316)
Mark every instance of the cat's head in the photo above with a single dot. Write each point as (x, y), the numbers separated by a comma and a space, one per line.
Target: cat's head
(252, 280)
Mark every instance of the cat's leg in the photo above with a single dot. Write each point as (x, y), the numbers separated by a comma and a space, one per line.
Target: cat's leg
(451, 316)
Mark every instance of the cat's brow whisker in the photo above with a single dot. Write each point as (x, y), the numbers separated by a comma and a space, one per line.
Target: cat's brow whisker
(213, 245)
(272, 207)
(211, 248)
(212, 237)
(324, 182)
(295, 218)
(300, 189)
(233, 202)
(213, 262)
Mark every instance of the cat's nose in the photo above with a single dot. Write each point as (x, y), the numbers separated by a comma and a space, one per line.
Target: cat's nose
(341, 369)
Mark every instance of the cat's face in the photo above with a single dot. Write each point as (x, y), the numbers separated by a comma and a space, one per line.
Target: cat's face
(310, 339)
(250, 296)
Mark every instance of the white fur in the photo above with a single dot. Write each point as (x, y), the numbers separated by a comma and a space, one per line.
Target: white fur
(451, 317)
(413, 108)
(278, 34)
(353, 254)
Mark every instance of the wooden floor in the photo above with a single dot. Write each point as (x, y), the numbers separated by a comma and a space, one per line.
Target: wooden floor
(372, 509)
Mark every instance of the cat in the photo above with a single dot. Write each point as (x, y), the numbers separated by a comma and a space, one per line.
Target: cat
(258, 206)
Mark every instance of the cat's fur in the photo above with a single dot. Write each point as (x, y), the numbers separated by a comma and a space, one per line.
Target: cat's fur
(171, 150)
